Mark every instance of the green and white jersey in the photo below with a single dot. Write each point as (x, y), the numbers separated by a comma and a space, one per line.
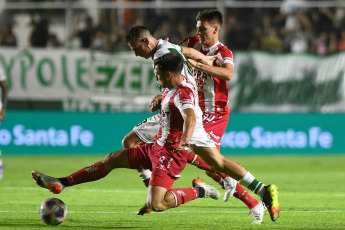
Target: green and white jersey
(2, 78)
(165, 47)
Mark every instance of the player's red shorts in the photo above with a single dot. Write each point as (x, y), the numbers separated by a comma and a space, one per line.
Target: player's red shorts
(215, 124)
(163, 162)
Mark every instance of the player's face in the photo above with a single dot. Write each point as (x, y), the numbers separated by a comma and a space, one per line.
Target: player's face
(161, 77)
(140, 48)
(206, 32)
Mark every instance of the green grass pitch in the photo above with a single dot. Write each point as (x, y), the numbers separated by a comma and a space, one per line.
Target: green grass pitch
(312, 196)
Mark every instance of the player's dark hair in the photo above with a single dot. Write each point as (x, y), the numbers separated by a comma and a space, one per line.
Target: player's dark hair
(210, 15)
(136, 32)
(172, 62)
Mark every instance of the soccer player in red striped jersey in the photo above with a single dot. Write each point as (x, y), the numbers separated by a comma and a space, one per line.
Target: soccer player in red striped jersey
(143, 44)
(166, 157)
(213, 90)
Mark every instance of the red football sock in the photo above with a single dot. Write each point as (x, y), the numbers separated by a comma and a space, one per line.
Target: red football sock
(87, 174)
(184, 195)
(245, 197)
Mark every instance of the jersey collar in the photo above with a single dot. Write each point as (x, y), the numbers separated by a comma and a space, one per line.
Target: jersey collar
(210, 48)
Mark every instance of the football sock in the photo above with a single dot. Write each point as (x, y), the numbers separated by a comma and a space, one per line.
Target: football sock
(146, 182)
(201, 192)
(252, 184)
(241, 193)
(245, 197)
(218, 179)
(184, 195)
(145, 176)
(87, 174)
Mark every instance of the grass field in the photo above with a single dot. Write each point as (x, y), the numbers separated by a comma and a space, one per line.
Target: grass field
(312, 196)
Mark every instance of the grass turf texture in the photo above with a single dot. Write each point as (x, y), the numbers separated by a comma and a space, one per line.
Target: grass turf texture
(311, 196)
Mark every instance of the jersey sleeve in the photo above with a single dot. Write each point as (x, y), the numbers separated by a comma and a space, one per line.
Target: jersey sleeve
(189, 41)
(226, 56)
(184, 100)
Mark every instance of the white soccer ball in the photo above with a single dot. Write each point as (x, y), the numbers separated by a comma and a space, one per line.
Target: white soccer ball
(53, 211)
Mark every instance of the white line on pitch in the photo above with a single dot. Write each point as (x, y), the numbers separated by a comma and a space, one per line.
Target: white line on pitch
(133, 191)
(82, 190)
(76, 212)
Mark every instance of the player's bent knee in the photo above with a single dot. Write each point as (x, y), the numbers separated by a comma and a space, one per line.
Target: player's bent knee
(131, 140)
(158, 206)
(126, 142)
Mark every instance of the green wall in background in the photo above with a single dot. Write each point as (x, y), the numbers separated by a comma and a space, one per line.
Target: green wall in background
(39, 132)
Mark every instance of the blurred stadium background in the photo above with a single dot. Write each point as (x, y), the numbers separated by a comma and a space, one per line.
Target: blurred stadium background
(75, 87)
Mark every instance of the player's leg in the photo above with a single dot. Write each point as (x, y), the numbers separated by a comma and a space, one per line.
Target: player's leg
(227, 183)
(269, 193)
(160, 198)
(166, 168)
(98, 170)
(217, 162)
(215, 124)
(142, 133)
(131, 140)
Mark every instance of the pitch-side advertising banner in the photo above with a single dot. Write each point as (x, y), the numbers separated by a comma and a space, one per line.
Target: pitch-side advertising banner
(86, 133)
(86, 81)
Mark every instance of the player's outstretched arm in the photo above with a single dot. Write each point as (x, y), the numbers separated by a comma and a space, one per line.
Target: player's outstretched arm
(188, 128)
(190, 53)
(205, 63)
(224, 72)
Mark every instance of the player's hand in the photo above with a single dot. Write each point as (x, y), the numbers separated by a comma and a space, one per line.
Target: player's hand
(167, 39)
(155, 104)
(209, 59)
(184, 145)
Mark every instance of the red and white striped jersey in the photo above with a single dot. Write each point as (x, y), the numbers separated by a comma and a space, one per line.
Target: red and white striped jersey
(175, 100)
(213, 92)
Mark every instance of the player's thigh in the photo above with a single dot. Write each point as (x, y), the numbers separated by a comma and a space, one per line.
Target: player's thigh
(117, 159)
(131, 140)
(210, 155)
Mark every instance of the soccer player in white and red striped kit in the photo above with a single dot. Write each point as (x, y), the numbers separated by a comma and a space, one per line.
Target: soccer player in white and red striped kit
(213, 90)
(145, 45)
(180, 118)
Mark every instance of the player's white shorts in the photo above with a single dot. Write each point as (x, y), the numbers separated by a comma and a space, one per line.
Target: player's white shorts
(148, 129)
(201, 139)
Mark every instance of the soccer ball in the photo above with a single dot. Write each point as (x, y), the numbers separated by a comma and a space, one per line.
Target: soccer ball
(53, 211)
